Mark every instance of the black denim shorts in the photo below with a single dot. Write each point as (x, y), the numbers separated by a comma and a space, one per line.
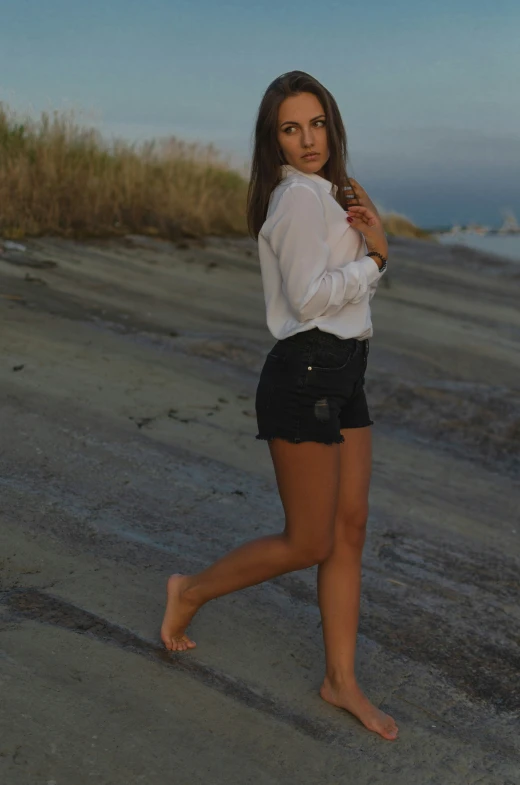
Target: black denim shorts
(311, 386)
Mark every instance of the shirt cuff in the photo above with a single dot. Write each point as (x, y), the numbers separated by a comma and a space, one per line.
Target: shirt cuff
(371, 268)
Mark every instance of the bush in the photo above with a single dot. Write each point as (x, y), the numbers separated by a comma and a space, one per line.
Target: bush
(59, 178)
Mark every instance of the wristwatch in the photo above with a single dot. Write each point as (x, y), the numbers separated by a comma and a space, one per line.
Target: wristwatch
(376, 253)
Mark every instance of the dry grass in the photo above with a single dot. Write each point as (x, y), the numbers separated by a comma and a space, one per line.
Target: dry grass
(397, 225)
(60, 178)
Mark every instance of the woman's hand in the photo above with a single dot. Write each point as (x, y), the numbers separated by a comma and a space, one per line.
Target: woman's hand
(358, 196)
(370, 225)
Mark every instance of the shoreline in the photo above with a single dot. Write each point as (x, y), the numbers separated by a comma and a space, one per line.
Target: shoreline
(503, 246)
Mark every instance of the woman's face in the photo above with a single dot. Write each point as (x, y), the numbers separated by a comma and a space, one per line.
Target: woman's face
(302, 129)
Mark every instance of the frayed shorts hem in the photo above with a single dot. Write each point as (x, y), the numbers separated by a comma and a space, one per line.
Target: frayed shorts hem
(292, 440)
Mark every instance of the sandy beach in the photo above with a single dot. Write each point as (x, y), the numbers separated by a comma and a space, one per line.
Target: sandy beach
(128, 377)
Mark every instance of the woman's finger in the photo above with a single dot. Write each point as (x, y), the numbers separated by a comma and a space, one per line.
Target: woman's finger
(359, 208)
(357, 187)
(361, 217)
(361, 197)
(356, 184)
(359, 220)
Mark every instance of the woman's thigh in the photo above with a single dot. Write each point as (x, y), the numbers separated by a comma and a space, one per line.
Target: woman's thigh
(308, 478)
(354, 483)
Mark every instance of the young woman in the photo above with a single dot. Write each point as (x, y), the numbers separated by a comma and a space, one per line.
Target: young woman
(320, 266)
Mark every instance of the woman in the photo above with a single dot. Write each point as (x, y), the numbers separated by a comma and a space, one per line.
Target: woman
(320, 268)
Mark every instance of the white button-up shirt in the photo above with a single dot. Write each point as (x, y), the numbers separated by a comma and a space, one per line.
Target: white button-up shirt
(314, 269)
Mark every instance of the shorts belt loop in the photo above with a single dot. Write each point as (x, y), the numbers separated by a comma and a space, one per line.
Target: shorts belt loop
(313, 343)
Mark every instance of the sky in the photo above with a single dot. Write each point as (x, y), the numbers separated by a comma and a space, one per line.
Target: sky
(428, 92)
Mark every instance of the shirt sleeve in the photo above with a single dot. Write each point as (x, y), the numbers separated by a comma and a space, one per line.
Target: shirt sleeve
(298, 238)
(373, 286)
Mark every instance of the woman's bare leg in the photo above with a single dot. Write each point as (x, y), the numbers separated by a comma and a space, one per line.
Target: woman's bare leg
(307, 475)
(339, 585)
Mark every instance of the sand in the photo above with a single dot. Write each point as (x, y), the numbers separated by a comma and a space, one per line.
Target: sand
(128, 376)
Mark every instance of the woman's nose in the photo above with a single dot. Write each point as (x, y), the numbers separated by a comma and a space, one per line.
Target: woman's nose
(307, 137)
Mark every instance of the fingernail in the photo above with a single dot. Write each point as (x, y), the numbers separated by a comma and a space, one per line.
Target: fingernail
(349, 219)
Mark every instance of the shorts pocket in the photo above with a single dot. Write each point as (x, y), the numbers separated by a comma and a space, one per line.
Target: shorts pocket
(275, 361)
(276, 353)
(329, 360)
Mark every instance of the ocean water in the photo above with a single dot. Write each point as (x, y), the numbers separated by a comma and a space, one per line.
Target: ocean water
(507, 245)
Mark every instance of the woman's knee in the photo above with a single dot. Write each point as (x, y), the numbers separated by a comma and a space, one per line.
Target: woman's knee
(351, 526)
(314, 551)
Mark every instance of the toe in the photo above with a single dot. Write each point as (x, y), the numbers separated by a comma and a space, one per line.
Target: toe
(188, 641)
(391, 731)
(179, 644)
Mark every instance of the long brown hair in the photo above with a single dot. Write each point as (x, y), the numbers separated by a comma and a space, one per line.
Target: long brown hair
(268, 156)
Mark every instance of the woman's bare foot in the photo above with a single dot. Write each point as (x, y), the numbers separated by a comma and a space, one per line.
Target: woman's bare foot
(353, 700)
(177, 615)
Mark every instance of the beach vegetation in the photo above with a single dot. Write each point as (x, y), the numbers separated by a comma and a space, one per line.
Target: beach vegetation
(60, 177)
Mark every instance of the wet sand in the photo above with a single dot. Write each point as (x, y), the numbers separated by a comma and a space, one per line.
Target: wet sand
(128, 377)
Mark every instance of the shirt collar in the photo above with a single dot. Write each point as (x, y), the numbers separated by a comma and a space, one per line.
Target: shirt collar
(287, 169)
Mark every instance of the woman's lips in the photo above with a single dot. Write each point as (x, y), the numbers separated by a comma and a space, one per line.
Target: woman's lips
(310, 156)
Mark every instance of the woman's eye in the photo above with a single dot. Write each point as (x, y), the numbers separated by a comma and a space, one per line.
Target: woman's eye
(290, 127)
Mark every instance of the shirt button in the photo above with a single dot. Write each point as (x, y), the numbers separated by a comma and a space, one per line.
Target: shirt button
(309, 367)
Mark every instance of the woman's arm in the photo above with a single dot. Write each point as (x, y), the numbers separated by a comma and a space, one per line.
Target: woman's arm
(298, 238)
